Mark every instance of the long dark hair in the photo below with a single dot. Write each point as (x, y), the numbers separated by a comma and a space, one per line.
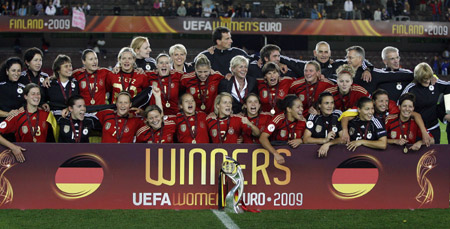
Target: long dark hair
(7, 65)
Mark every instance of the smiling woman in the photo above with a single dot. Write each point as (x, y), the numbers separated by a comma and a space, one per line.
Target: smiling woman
(12, 91)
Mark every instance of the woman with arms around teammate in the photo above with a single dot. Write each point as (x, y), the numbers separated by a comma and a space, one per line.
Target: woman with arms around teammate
(324, 128)
(365, 129)
(288, 126)
(401, 128)
(29, 125)
(11, 96)
(203, 84)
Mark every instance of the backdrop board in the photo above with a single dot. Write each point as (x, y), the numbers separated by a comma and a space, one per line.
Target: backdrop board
(184, 176)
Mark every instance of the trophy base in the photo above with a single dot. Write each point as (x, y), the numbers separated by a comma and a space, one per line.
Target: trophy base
(234, 209)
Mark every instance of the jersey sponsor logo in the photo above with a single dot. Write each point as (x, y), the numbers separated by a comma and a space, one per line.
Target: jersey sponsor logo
(85, 131)
(73, 86)
(3, 125)
(318, 128)
(66, 129)
(393, 134)
(41, 79)
(183, 128)
(25, 129)
(369, 135)
(271, 127)
(310, 125)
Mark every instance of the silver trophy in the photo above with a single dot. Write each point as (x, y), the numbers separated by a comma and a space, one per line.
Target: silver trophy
(233, 170)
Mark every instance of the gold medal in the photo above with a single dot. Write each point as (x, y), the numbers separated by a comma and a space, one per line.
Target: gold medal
(167, 104)
(193, 141)
(405, 150)
(272, 111)
(92, 101)
(203, 107)
(34, 139)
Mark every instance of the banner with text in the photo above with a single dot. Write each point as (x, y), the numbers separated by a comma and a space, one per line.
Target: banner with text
(184, 176)
(187, 25)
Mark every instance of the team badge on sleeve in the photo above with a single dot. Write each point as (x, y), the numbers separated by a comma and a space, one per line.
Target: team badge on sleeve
(369, 135)
(3, 125)
(148, 67)
(271, 127)
(310, 125)
(334, 129)
(85, 131)
(19, 90)
(41, 79)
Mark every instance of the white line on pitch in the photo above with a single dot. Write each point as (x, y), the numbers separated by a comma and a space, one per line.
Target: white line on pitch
(226, 220)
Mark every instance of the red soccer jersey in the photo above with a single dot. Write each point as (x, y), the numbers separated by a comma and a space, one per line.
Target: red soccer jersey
(23, 127)
(261, 122)
(204, 92)
(131, 82)
(87, 82)
(170, 88)
(165, 134)
(269, 96)
(118, 129)
(308, 93)
(397, 129)
(280, 129)
(226, 130)
(344, 102)
(196, 125)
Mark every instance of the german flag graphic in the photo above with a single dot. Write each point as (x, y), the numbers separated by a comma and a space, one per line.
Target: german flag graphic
(354, 177)
(78, 177)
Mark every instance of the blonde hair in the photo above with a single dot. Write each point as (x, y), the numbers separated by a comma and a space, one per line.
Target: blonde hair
(345, 69)
(238, 60)
(202, 60)
(422, 71)
(217, 101)
(126, 49)
(137, 42)
(315, 64)
(177, 47)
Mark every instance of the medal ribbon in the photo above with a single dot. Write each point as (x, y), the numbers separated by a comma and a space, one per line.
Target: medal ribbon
(290, 131)
(203, 92)
(122, 81)
(119, 135)
(273, 101)
(34, 129)
(341, 97)
(92, 90)
(238, 93)
(404, 134)
(192, 131)
(69, 84)
(256, 119)
(154, 133)
(226, 132)
(363, 136)
(308, 99)
(77, 137)
(166, 95)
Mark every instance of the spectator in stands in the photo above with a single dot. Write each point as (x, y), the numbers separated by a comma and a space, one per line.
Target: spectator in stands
(247, 11)
(181, 11)
(13, 9)
(30, 8)
(156, 8)
(447, 15)
(444, 67)
(423, 5)
(324, 14)
(348, 8)
(436, 9)
(367, 13)
(356, 13)
(435, 64)
(329, 5)
(314, 13)
(262, 14)
(57, 4)
(86, 8)
(406, 8)
(278, 7)
(5, 8)
(390, 7)
(50, 10)
(172, 10)
(377, 15)
(300, 12)
(385, 15)
(398, 8)
(190, 10)
(198, 10)
(39, 7)
(22, 11)
(207, 10)
(66, 10)
(238, 10)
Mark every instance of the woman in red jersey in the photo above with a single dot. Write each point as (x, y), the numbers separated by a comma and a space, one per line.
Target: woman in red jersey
(168, 81)
(287, 127)
(157, 128)
(258, 120)
(127, 79)
(223, 126)
(91, 79)
(273, 87)
(402, 128)
(29, 125)
(203, 84)
(191, 124)
(345, 93)
(309, 88)
(119, 126)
